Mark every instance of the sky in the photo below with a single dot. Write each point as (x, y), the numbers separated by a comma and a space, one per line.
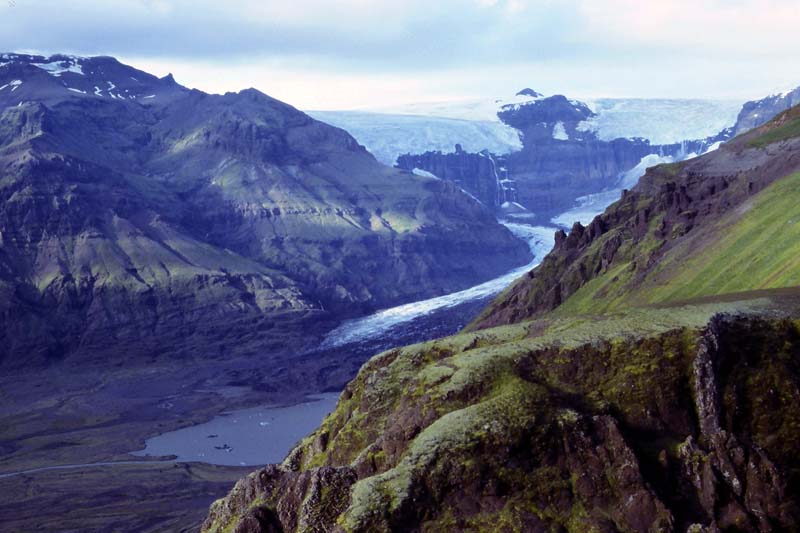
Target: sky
(351, 54)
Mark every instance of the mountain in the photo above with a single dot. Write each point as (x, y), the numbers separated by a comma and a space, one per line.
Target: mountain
(390, 132)
(139, 217)
(573, 149)
(548, 152)
(644, 377)
(645, 249)
(758, 112)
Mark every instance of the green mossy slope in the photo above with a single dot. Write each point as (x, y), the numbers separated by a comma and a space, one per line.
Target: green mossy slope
(757, 246)
(575, 424)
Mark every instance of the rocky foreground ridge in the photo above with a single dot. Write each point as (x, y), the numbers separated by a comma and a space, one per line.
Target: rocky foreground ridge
(669, 422)
(141, 218)
(600, 393)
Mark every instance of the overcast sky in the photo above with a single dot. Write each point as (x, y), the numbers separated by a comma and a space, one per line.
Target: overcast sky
(340, 54)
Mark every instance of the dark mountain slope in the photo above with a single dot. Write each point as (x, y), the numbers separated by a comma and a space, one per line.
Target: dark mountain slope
(136, 213)
(758, 112)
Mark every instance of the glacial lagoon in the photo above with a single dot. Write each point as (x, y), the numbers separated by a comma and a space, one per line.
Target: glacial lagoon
(245, 437)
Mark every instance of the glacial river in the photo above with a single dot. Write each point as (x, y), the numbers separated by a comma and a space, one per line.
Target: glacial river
(364, 329)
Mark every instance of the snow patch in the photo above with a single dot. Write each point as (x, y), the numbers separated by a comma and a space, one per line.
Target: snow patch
(13, 84)
(424, 173)
(57, 68)
(559, 132)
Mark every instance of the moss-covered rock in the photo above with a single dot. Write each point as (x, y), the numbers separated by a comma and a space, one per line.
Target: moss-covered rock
(651, 421)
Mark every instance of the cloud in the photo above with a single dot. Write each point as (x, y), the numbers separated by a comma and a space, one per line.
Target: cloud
(373, 49)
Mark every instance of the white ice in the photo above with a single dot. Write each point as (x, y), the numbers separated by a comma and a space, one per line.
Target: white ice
(476, 109)
(13, 84)
(388, 136)
(424, 173)
(589, 206)
(662, 121)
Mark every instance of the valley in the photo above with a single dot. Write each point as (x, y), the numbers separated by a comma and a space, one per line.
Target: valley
(193, 285)
(101, 415)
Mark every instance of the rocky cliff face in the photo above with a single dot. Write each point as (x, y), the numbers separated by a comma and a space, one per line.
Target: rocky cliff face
(479, 174)
(139, 214)
(552, 425)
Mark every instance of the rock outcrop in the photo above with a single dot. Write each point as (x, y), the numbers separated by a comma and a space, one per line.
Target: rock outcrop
(529, 428)
(482, 175)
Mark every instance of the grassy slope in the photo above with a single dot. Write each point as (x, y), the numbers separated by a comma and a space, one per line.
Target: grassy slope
(754, 247)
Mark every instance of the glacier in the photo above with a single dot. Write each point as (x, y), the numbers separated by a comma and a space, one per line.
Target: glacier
(388, 136)
(540, 239)
(416, 128)
(661, 121)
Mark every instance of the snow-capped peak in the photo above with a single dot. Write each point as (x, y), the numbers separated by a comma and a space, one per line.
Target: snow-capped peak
(55, 65)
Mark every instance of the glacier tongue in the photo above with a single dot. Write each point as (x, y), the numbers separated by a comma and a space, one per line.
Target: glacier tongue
(589, 206)
(540, 240)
